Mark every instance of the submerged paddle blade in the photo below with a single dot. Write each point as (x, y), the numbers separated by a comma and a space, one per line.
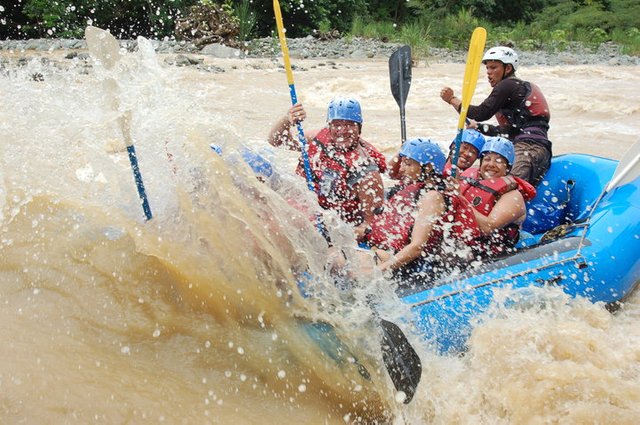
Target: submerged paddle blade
(400, 74)
(103, 46)
(401, 360)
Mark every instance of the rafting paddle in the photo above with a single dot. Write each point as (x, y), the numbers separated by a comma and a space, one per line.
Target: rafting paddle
(474, 59)
(294, 99)
(400, 78)
(292, 92)
(400, 358)
(104, 47)
(628, 168)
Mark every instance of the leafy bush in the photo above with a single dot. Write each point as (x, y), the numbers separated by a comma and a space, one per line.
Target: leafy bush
(246, 19)
(454, 31)
(629, 40)
(302, 18)
(416, 35)
(498, 11)
(397, 11)
(377, 30)
(125, 18)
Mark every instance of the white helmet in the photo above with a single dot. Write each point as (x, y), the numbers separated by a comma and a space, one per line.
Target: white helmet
(502, 54)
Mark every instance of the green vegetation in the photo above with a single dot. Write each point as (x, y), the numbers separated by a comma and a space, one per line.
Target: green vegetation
(246, 18)
(527, 24)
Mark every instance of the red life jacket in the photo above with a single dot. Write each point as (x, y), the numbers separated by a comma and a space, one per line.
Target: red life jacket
(530, 119)
(392, 228)
(334, 174)
(483, 195)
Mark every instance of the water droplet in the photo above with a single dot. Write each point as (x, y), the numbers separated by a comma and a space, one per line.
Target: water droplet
(400, 396)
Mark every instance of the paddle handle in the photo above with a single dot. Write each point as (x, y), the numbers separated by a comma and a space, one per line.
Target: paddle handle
(125, 124)
(303, 141)
(294, 100)
(456, 153)
(402, 101)
(137, 176)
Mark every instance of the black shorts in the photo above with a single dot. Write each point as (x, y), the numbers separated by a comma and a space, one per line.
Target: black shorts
(532, 161)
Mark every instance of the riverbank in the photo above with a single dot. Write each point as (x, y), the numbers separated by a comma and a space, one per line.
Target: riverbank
(187, 54)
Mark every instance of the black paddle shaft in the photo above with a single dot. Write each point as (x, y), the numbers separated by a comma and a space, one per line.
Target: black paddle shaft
(400, 78)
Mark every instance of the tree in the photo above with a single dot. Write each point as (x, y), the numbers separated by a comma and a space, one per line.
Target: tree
(125, 18)
(500, 12)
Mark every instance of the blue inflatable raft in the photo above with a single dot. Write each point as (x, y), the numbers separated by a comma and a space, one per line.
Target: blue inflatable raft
(582, 234)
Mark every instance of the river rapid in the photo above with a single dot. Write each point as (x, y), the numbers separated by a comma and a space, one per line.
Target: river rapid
(194, 316)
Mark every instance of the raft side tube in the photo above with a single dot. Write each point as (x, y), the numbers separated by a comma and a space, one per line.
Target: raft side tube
(569, 188)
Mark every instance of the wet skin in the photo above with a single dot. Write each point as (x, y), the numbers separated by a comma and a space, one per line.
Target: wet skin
(493, 165)
(345, 134)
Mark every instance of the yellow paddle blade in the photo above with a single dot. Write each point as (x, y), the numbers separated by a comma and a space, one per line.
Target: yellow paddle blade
(474, 60)
(283, 40)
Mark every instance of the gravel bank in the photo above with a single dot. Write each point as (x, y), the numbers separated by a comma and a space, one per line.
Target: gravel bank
(186, 54)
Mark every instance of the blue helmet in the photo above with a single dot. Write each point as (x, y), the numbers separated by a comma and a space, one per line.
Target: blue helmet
(342, 108)
(501, 146)
(472, 137)
(424, 151)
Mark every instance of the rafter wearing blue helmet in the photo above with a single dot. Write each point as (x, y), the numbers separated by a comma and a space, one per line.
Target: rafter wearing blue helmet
(424, 152)
(471, 144)
(345, 169)
(344, 108)
(502, 147)
(408, 235)
(498, 199)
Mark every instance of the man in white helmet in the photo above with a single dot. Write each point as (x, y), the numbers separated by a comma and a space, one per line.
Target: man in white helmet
(521, 110)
